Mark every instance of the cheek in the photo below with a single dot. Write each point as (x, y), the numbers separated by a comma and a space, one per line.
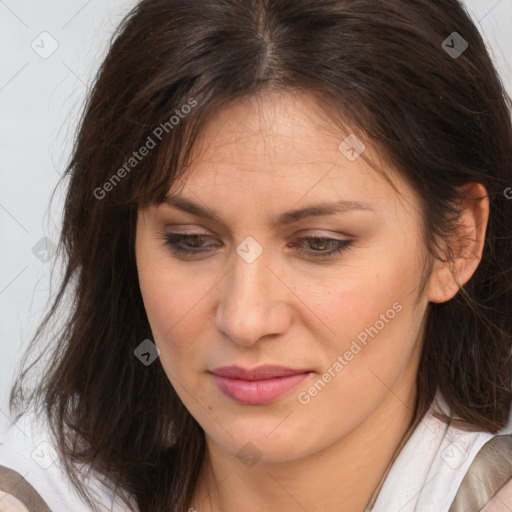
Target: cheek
(170, 313)
(170, 310)
(169, 293)
(371, 300)
(163, 299)
(176, 312)
(347, 304)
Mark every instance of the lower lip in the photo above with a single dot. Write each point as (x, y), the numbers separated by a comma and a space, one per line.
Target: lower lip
(257, 392)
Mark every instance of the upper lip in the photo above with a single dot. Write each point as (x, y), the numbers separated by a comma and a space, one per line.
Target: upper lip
(258, 373)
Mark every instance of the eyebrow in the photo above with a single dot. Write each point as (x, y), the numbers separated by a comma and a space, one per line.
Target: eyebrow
(289, 217)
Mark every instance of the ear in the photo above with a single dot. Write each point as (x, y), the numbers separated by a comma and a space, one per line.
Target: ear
(466, 247)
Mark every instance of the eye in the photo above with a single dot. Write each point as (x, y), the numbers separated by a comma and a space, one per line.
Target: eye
(195, 243)
(319, 244)
(175, 242)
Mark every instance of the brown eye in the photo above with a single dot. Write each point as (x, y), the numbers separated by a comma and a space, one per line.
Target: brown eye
(319, 244)
(183, 243)
(195, 243)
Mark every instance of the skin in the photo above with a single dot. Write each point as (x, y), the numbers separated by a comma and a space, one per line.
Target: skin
(262, 156)
(8, 503)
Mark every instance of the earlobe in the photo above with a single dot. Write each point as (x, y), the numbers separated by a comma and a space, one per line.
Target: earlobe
(443, 286)
(465, 252)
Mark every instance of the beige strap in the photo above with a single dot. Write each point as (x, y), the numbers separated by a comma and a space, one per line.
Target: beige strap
(490, 470)
(15, 484)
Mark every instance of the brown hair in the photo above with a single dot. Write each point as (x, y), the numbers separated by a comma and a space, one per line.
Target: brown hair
(443, 120)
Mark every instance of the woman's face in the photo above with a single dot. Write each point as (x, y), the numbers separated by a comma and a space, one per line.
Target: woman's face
(261, 287)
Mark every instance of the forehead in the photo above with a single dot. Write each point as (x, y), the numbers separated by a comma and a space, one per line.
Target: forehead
(280, 127)
(285, 140)
(272, 155)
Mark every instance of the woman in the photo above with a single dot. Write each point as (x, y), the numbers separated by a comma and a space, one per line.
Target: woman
(288, 232)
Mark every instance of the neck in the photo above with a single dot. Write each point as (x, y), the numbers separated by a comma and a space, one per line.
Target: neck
(341, 478)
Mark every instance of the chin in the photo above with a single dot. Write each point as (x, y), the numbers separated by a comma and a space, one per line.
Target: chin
(265, 443)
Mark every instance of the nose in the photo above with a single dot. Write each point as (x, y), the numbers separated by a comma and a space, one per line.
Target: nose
(254, 301)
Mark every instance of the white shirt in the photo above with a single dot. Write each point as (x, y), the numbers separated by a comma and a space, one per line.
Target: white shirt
(428, 471)
(26, 448)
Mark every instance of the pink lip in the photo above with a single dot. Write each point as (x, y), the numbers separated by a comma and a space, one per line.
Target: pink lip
(258, 386)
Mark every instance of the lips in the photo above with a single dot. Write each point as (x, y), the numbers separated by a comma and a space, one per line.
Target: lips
(257, 386)
(259, 373)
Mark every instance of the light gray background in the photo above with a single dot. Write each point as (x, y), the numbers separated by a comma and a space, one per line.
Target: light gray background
(40, 99)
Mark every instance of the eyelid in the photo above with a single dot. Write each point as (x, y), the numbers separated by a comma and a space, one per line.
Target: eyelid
(202, 230)
(308, 234)
(297, 236)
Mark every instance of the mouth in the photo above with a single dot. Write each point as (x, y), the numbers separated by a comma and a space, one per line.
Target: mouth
(259, 386)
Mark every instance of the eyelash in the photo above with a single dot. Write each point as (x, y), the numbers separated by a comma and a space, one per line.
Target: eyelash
(172, 240)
